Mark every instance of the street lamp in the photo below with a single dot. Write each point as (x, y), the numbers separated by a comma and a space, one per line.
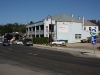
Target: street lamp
(51, 30)
(27, 30)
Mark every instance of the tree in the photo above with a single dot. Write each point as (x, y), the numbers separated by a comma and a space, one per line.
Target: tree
(93, 21)
(9, 28)
(31, 22)
(8, 36)
(17, 36)
(98, 23)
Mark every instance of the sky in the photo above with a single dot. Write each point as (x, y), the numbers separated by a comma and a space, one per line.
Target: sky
(23, 11)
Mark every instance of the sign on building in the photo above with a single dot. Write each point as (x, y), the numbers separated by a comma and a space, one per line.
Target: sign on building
(63, 28)
(46, 31)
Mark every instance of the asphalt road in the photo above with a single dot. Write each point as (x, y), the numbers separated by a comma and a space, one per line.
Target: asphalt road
(46, 60)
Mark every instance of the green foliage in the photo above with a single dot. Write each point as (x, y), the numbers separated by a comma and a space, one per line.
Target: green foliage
(66, 41)
(9, 28)
(98, 38)
(31, 22)
(93, 21)
(8, 36)
(96, 22)
(40, 40)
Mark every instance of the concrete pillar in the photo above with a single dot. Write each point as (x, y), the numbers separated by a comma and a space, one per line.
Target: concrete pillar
(28, 32)
(35, 31)
(39, 30)
(83, 19)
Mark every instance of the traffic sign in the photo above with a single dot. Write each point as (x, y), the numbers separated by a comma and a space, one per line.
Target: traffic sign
(93, 32)
(93, 40)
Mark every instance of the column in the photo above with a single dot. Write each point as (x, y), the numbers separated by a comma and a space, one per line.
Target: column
(28, 32)
(31, 31)
(35, 31)
(39, 30)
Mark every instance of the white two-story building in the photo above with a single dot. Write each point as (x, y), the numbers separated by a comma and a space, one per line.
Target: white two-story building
(61, 27)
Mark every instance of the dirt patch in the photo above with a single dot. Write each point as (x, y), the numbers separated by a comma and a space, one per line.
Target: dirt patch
(82, 45)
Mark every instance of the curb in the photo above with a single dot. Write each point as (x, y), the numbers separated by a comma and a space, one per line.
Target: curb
(78, 50)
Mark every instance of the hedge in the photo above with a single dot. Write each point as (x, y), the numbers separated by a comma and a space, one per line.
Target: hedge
(40, 40)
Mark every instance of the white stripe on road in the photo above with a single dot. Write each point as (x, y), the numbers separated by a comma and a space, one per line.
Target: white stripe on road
(35, 54)
(29, 53)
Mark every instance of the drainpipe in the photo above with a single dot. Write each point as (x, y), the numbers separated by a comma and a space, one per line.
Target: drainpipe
(72, 28)
(83, 20)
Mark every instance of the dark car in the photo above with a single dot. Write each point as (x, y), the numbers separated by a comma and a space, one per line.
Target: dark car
(27, 42)
(6, 43)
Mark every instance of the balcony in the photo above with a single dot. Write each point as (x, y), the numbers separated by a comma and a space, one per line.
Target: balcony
(37, 32)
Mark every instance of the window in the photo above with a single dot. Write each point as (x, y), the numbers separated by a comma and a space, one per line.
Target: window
(77, 36)
(84, 28)
(95, 27)
(33, 28)
(90, 28)
(29, 29)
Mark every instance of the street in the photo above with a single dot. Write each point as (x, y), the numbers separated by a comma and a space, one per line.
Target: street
(47, 60)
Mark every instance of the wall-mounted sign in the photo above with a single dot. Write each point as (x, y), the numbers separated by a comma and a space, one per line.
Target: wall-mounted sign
(63, 28)
(47, 29)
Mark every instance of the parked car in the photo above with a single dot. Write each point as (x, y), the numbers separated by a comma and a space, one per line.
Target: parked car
(13, 42)
(6, 43)
(59, 42)
(27, 42)
(17, 42)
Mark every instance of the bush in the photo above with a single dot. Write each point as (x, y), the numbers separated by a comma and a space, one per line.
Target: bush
(66, 41)
(98, 40)
(40, 40)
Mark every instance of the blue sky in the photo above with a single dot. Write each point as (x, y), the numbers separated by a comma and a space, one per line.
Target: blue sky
(21, 11)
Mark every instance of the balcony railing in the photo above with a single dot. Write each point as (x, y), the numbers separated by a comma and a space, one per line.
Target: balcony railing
(37, 32)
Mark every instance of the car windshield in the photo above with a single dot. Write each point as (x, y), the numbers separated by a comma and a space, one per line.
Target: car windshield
(5, 41)
(18, 41)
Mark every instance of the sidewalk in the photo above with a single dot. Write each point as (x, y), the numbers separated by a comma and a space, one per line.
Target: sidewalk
(89, 52)
(6, 69)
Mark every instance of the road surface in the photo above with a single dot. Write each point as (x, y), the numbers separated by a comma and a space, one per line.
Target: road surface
(49, 61)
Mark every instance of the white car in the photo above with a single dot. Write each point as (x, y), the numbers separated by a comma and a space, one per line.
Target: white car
(18, 42)
(58, 42)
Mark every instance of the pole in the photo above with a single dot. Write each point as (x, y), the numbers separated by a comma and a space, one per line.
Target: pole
(51, 32)
(28, 33)
(94, 48)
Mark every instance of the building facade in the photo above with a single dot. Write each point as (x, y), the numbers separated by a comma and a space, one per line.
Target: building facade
(61, 27)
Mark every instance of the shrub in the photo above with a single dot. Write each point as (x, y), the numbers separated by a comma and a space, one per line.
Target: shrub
(40, 40)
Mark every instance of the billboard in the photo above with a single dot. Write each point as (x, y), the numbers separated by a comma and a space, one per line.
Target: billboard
(63, 28)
